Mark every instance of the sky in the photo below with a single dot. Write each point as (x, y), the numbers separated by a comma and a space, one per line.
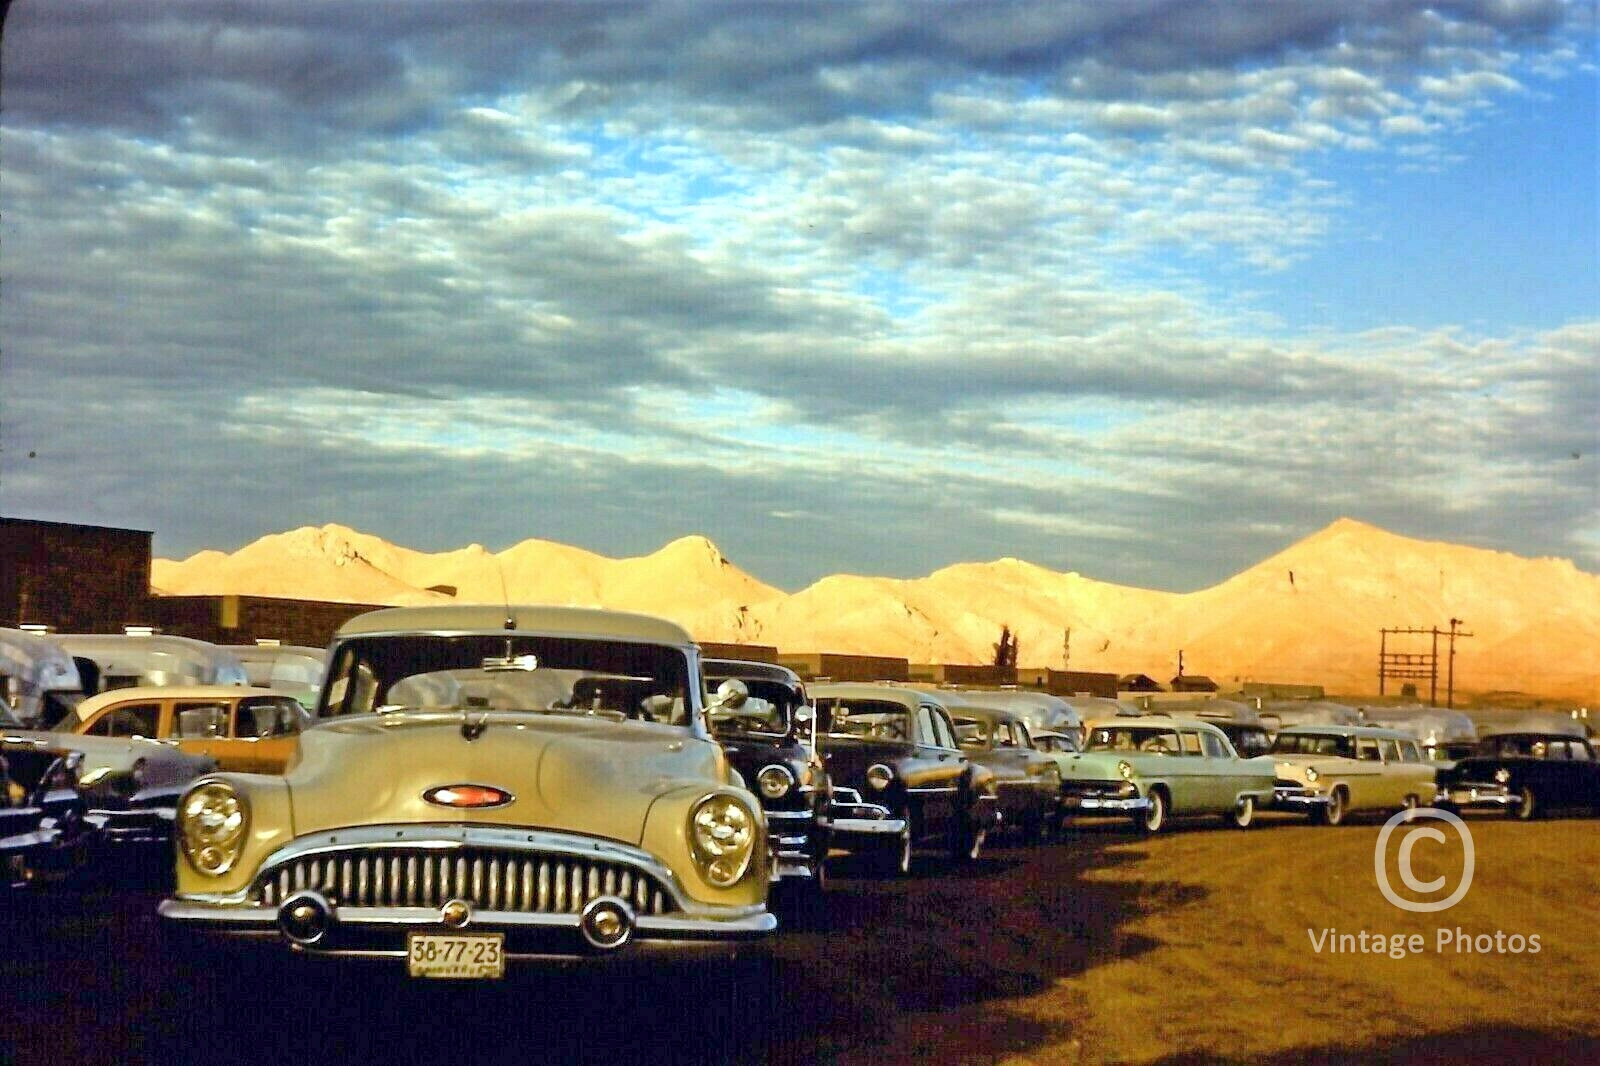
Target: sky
(1146, 290)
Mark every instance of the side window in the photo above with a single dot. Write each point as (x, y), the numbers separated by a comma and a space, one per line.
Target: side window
(1390, 749)
(200, 721)
(1213, 747)
(1191, 743)
(1367, 749)
(1558, 750)
(1023, 738)
(1409, 752)
(1004, 735)
(1581, 752)
(138, 720)
(274, 716)
(943, 730)
(926, 733)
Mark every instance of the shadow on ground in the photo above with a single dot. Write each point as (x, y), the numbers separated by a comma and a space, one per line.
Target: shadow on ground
(890, 969)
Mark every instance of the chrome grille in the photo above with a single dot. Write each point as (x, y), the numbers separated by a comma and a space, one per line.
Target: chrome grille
(489, 879)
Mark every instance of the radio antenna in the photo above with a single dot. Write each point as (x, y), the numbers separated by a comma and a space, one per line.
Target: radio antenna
(505, 597)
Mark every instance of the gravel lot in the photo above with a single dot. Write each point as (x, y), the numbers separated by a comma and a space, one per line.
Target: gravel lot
(1186, 948)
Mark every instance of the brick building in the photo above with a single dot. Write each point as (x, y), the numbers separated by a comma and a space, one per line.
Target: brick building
(246, 619)
(76, 578)
(835, 667)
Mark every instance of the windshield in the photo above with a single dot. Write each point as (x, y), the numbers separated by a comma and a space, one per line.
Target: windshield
(1134, 738)
(769, 710)
(616, 679)
(1314, 744)
(870, 719)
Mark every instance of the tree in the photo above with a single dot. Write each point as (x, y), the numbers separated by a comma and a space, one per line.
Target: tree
(1005, 652)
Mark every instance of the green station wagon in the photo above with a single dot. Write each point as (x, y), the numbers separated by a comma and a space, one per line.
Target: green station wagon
(1155, 767)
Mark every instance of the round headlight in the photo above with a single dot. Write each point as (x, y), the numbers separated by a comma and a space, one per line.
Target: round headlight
(1502, 775)
(1125, 769)
(775, 781)
(1311, 774)
(879, 776)
(723, 833)
(212, 819)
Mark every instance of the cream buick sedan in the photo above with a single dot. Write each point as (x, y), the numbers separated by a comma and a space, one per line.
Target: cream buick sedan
(485, 784)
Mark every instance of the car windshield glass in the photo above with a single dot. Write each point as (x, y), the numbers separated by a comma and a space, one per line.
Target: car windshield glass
(1252, 742)
(871, 719)
(1133, 738)
(769, 710)
(570, 675)
(1314, 744)
(972, 732)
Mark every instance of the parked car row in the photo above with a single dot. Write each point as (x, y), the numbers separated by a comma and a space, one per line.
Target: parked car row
(476, 784)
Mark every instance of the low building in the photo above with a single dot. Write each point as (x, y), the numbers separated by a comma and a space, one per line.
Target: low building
(1277, 690)
(1193, 683)
(756, 653)
(247, 619)
(1138, 683)
(961, 674)
(834, 666)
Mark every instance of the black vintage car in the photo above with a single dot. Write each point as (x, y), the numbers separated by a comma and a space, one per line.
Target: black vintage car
(1545, 771)
(771, 739)
(900, 778)
(45, 834)
(1027, 782)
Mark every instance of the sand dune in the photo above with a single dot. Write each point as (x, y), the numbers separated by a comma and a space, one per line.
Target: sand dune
(1309, 614)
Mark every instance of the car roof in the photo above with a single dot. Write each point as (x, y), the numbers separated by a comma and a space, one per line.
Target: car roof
(1154, 721)
(868, 690)
(462, 618)
(95, 704)
(992, 714)
(1372, 731)
(746, 668)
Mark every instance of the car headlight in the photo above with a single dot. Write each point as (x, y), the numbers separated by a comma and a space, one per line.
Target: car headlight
(212, 819)
(1311, 774)
(1125, 768)
(879, 776)
(723, 834)
(775, 781)
(1502, 775)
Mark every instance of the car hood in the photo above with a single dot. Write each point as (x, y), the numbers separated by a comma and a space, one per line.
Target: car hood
(163, 764)
(585, 775)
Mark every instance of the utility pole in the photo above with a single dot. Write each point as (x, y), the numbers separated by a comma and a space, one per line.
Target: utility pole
(1421, 666)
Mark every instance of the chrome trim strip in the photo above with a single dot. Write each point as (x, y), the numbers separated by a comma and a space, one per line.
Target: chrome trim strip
(806, 815)
(870, 826)
(735, 921)
(1096, 803)
(933, 788)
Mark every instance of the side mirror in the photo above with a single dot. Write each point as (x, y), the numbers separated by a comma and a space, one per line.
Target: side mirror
(731, 695)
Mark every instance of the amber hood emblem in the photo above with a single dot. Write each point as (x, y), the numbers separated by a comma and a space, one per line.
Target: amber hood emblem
(465, 795)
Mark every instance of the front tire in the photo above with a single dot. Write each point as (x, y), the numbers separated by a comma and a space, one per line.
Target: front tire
(1244, 813)
(1154, 817)
(1333, 812)
(1528, 805)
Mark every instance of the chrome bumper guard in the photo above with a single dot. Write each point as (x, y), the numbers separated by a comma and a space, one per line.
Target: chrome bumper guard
(1108, 797)
(1469, 794)
(140, 825)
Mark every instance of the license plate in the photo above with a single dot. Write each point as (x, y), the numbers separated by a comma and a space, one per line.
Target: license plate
(456, 955)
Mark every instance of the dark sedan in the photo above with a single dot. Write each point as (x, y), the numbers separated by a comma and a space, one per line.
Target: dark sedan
(900, 778)
(770, 738)
(1544, 771)
(1027, 781)
(44, 832)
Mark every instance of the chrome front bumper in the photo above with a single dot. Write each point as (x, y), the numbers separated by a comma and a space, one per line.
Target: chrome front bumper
(1296, 797)
(850, 815)
(1469, 794)
(541, 926)
(1109, 797)
(149, 825)
(795, 844)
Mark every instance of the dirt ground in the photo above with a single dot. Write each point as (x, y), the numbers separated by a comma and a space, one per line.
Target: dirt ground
(1104, 947)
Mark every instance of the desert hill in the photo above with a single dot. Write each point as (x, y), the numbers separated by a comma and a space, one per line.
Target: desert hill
(1309, 614)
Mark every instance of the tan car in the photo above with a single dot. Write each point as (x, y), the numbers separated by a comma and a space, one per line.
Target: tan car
(246, 729)
(485, 784)
(1334, 770)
